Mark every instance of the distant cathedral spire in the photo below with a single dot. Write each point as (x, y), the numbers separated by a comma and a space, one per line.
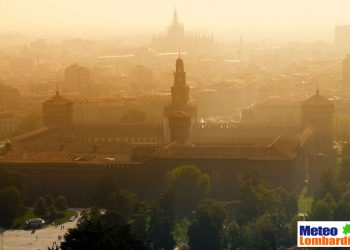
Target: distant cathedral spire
(175, 17)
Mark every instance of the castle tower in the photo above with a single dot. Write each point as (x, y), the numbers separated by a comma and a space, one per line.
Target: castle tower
(58, 111)
(180, 113)
(317, 114)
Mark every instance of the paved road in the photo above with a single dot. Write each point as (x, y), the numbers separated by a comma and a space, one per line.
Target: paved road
(26, 240)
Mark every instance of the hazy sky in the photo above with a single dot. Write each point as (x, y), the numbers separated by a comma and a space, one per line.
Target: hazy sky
(142, 16)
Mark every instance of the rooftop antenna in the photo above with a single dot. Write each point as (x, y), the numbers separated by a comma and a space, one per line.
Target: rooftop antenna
(317, 89)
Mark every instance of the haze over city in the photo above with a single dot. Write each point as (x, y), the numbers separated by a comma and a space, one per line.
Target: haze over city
(276, 19)
(174, 125)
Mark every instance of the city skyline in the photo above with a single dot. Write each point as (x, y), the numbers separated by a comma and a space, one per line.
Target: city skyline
(173, 124)
(253, 18)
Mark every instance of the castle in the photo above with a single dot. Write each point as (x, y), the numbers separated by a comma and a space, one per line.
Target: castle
(143, 154)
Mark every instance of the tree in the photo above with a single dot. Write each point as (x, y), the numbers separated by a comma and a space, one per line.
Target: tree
(206, 230)
(140, 221)
(41, 208)
(133, 116)
(262, 233)
(181, 232)
(289, 202)
(61, 203)
(122, 202)
(105, 187)
(269, 231)
(190, 186)
(90, 214)
(342, 211)
(233, 235)
(342, 208)
(51, 212)
(289, 238)
(256, 198)
(328, 185)
(8, 179)
(322, 210)
(344, 172)
(162, 222)
(10, 205)
(49, 199)
(109, 231)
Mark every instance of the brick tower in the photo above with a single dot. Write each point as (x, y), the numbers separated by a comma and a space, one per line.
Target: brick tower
(180, 113)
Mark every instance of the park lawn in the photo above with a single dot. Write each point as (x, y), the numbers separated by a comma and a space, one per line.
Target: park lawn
(304, 202)
(66, 216)
(20, 222)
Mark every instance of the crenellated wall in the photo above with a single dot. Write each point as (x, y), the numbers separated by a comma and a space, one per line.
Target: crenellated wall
(234, 130)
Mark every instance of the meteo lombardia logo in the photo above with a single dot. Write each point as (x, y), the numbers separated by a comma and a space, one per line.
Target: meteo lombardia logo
(323, 233)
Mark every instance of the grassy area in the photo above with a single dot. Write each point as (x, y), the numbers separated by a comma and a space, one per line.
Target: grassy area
(20, 222)
(65, 217)
(304, 201)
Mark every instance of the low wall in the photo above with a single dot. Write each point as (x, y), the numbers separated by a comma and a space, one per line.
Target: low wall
(78, 181)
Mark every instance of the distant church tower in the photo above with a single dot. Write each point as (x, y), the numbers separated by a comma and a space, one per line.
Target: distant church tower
(180, 113)
(58, 111)
(317, 114)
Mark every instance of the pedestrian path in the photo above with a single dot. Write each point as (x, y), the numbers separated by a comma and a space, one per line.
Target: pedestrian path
(40, 239)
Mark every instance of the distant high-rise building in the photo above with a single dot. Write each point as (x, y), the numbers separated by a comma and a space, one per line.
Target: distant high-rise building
(180, 113)
(175, 38)
(76, 78)
(346, 71)
(342, 35)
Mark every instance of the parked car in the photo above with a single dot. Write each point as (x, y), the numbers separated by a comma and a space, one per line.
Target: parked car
(72, 218)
